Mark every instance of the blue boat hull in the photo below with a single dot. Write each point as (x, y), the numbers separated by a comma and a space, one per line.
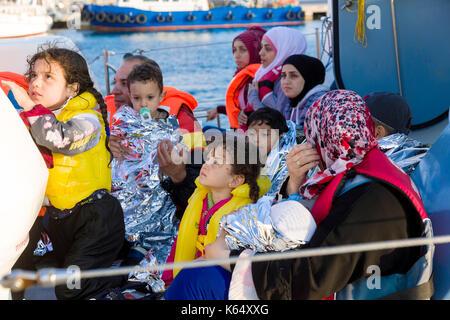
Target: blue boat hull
(123, 19)
(415, 66)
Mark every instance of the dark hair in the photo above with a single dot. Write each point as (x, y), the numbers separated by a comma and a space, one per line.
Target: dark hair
(76, 70)
(129, 57)
(246, 160)
(269, 116)
(146, 72)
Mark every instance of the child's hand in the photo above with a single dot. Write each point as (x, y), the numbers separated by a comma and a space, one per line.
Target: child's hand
(218, 250)
(299, 161)
(20, 94)
(118, 150)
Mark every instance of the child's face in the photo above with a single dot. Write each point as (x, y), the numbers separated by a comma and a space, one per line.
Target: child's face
(216, 171)
(292, 82)
(267, 53)
(48, 85)
(145, 94)
(240, 54)
(262, 135)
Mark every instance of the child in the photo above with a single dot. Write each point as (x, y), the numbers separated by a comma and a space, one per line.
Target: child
(392, 118)
(146, 205)
(83, 221)
(277, 44)
(275, 137)
(145, 83)
(224, 185)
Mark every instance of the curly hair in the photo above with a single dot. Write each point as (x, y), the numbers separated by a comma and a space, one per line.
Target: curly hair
(245, 159)
(75, 71)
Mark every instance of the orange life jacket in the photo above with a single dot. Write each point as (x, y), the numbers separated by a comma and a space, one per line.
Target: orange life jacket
(174, 99)
(232, 95)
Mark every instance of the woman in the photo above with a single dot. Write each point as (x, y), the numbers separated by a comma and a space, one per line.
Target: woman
(358, 196)
(301, 81)
(277, 44)
(246, 47)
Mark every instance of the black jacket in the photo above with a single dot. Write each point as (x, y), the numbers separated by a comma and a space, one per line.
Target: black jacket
(367, 213)
(181, 192)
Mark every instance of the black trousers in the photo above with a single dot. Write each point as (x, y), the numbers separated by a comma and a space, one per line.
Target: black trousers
(90, 238)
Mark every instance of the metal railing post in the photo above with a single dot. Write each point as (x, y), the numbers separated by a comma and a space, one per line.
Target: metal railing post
(317, 43)
(106, 67)
(394, 27)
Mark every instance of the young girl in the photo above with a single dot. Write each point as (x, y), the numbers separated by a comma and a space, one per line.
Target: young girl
(224, 185)
(246, 47)
(301, 81)
(277, 44)
(82, 222)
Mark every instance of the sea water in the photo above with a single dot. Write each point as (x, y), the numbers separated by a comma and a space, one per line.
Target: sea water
(199, 62)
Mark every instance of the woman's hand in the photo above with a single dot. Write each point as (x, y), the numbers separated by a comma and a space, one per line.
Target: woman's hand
(171, 162)
(211, 114)
(252, 91)
(218, 250)
(299, 161)
(242, 118)
(20, 94)
(253, 85)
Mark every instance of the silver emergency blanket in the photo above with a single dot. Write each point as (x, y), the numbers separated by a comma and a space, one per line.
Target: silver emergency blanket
(153, 279)
(253, 226)
(275, 165)
(404, 151)
(148, 209)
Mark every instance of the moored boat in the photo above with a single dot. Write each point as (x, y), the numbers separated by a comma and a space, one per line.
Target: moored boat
(165, 16)
(23, 18)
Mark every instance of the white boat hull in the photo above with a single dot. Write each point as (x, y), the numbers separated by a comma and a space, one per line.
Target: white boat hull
(16, 24)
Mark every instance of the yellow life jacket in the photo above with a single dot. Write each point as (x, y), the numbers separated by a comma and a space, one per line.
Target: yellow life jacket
(74, 178)
(189, 240)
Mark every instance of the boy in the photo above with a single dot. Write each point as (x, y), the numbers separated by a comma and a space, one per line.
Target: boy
(392, 117)
(145, 84)
(264, 128)
(275, 137)
(390, 112)
(146, 89)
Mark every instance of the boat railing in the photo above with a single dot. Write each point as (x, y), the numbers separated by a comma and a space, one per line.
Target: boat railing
(19, 280)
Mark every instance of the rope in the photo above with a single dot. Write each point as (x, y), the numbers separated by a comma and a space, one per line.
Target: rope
(52, 277)
(360, 28)
(141, 51)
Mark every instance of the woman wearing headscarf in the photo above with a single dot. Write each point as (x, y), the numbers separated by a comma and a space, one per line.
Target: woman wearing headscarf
(276, 45)
(246, 47)
(358, 196)
(302, 80)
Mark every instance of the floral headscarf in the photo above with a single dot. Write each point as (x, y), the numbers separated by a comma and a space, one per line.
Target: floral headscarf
(339, 124)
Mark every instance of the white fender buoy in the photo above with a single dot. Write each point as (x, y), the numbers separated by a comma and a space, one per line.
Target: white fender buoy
(23, 181)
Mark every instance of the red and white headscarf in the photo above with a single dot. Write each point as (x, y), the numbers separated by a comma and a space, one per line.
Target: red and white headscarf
(339, 124)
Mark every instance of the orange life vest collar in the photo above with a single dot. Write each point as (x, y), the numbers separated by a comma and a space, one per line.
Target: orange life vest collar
(232, 95)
